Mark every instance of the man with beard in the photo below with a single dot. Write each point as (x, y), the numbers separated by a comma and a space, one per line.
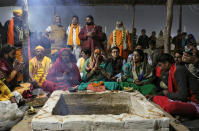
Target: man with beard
(56, 34)
(15, 36)
(178, 57)
(39, 66)
(73, 36)
(91, 35)
(10, 113)
(120, 37)
(9, 66)
(182, 95)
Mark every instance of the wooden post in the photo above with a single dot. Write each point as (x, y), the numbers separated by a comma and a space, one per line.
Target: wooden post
(168, 26)
(180, 18)
(26, 42)
(133, 19)
(133, 26)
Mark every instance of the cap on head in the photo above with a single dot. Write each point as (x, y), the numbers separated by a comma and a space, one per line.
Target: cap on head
(17, 12)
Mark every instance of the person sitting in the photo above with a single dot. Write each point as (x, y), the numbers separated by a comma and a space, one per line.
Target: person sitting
(97, 70)
(152, 54)
(9, 66)
(5, 93)
(178, 56)
(182, 95)
(85, 54)
(63, 74)
(10, 114)
(116, 63)
(138, 74)
(39, 66)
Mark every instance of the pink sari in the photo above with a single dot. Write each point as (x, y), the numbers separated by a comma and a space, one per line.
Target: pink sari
(58, 69)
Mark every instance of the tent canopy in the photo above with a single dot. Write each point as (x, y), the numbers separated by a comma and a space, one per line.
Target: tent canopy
(95, 2)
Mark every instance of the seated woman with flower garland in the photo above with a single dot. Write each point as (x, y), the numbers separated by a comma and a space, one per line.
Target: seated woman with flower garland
(97, 73)
(138, 75)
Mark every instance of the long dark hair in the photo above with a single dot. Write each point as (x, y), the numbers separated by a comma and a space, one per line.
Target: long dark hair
(141, 53)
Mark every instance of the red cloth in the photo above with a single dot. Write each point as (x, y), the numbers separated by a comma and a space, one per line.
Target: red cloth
(11, 32)
(158, 71)
(176, 107)
(57, 70)
(172, 85)
(5, 66)
(99, 88)
(91, 42)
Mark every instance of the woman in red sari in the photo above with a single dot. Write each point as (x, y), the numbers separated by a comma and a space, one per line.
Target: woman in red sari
(63, 74)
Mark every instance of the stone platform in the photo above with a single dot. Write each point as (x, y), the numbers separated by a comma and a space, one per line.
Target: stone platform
(107, 111)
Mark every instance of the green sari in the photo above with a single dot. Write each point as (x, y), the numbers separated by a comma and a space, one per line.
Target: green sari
(143, 73)
(98, 76)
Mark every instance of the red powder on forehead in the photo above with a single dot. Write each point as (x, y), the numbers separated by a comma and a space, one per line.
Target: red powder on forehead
(97, 51)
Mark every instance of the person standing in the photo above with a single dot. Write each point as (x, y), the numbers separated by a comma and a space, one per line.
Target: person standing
(120, 37)
(73, 36)
(56, 34)
(91, 35)
(143, 39)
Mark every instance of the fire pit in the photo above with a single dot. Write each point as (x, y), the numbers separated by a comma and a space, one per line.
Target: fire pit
(107, 111)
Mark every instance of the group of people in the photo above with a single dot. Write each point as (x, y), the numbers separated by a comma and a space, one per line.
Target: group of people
(87, 62)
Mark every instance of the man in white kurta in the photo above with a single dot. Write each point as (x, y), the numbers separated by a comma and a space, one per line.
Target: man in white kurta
(73, 36)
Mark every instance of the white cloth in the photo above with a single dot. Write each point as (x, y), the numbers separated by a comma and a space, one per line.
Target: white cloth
(160, 42)
(76, 48)
(48, 29)
(10, 114)
(76, 51)
(74, 34)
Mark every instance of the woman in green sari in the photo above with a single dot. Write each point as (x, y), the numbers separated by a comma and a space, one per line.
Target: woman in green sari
(96, 69)
(138, 74)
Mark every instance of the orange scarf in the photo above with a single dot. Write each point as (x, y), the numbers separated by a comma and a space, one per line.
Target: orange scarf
(70, 40)
(11, 32)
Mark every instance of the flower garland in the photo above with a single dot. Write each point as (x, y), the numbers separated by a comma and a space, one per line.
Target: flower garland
(114, 37)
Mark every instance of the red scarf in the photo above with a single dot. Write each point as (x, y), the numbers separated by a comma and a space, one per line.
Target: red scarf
(172, 85)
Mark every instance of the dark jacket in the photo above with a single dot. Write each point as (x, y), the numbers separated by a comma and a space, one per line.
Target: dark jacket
(188, 85)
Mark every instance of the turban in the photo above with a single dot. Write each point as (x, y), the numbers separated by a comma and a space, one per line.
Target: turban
(39, 47)
(18, 12)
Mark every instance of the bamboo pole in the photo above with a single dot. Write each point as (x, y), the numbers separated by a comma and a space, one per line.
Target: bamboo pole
(169, 19)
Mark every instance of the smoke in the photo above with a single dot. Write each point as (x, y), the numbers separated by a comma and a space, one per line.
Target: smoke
(149, 17)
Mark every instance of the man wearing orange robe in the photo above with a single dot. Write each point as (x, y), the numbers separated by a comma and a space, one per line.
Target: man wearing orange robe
(120, 37)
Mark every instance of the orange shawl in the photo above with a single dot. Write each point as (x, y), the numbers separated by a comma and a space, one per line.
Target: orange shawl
(11, 32)
(70, 40)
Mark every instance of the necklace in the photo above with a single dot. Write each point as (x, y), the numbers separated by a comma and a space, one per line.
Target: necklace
(114, 38)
